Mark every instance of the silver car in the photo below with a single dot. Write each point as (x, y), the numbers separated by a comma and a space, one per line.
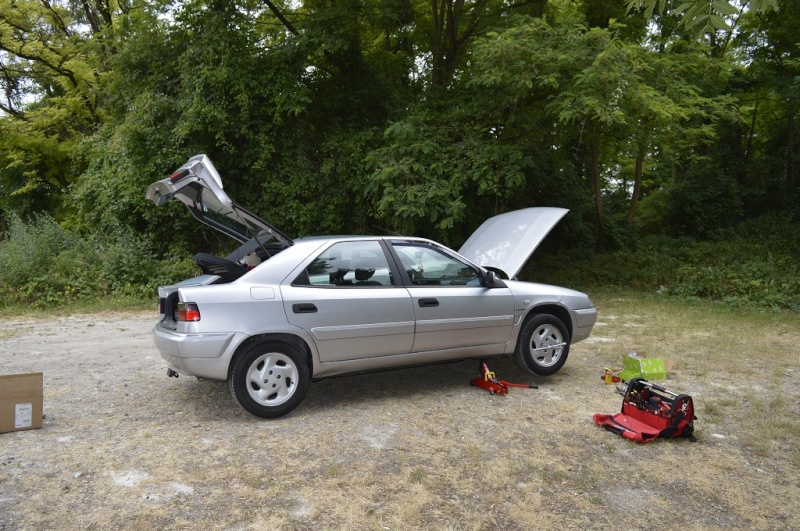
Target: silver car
(278, 313)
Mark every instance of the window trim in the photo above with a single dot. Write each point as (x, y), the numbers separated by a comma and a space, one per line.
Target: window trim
(407, 282)
(394, 273)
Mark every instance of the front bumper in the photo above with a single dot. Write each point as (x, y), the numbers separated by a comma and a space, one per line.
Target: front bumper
(584, 322)
(206, 355)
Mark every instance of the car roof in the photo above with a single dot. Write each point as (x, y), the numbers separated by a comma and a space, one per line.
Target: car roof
(356, 237)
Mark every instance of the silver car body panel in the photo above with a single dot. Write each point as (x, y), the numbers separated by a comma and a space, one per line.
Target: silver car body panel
(531, 297)
(358, 330)
(198, 169)
(200, 280)
(353, 324)
(184, 352)
(465, 317)
(506, 241)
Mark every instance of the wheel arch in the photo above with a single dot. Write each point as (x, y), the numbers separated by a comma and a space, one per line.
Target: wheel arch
(290, 339)
(556, 310)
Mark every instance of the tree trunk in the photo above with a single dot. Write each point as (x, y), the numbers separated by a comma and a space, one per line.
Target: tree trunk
(597, 185)
(437, 46)
(454, 24)
(637, 183)
(790, 157)
(749, 150)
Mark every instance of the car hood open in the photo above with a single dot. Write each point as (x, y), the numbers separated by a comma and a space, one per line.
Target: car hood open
(506, 241)
(198, 186)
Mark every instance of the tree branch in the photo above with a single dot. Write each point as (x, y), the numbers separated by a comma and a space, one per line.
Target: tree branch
(277, 12)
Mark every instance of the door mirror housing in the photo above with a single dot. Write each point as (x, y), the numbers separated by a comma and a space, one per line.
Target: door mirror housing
(491, 280)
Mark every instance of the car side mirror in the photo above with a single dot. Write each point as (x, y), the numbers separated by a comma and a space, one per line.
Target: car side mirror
(490, 280)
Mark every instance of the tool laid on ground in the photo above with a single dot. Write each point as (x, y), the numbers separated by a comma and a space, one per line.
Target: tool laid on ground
(650, 412)
(489, 381)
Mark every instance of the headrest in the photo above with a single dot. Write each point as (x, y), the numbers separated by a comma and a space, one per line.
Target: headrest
(364, 274)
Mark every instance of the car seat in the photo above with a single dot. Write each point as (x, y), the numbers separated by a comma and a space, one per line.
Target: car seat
(363, 277)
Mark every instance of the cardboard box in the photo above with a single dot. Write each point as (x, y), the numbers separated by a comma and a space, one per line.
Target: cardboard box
(21, 401)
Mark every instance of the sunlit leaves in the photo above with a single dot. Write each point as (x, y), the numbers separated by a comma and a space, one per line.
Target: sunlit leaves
(702, 16)
(52, 68)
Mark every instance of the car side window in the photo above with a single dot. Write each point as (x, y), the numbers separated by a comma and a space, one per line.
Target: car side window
(349, 264)
(427, 266)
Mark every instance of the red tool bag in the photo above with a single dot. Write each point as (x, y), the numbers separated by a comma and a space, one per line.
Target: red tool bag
(650, 412)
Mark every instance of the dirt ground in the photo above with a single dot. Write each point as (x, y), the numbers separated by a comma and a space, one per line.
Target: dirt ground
(123, 446)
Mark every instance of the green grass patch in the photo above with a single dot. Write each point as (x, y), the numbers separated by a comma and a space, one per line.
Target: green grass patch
(109, 304)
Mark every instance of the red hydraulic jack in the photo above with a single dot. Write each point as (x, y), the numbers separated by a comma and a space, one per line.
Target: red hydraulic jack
(489, 382)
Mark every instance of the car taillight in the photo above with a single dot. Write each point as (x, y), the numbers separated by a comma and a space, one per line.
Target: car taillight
(188, 311)
(178, 175)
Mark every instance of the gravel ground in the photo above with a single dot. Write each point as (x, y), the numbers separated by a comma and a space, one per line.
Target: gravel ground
(123, 446)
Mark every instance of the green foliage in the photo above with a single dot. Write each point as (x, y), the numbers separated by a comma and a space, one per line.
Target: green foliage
(364, 116)
(43, 264)
(702, 15)
(706, 201)
(767, 282)
(753, 264)
(421, 178)
(44, 57)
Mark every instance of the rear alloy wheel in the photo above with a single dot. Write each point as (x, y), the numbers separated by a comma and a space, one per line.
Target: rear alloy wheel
(269, 379)
(543, 345)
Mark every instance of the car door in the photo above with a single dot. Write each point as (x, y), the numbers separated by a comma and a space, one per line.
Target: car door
(451, 307)
(349, 300)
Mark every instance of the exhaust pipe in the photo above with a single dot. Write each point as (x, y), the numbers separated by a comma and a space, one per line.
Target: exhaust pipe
(172, 374)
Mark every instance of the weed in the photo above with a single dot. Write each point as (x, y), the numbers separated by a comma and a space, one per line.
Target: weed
(334, 469)
(417, 475)
(474, 451)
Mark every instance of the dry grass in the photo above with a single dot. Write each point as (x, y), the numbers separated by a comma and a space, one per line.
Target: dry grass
(125, 447)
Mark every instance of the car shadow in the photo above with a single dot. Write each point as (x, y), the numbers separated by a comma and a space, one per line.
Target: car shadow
(404, 384)
(212, 398)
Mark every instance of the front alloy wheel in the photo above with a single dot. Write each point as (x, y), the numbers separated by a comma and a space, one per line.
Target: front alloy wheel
(543, 345)
(269, 379)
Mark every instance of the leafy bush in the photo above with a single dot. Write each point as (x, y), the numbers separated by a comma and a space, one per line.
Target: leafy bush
(43, 264)
(754, 264)
(704, 201)
(760, 282)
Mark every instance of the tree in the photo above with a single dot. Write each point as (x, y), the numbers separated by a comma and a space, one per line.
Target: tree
(52, 64)
(703, 16)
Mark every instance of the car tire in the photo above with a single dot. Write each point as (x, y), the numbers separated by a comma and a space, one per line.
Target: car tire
(542, 346)
(269, 379)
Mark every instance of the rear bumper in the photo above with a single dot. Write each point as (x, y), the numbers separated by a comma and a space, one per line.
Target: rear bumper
(206, 355)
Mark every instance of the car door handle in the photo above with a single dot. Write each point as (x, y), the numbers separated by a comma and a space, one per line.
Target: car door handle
(304, 308)
(428, 303)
